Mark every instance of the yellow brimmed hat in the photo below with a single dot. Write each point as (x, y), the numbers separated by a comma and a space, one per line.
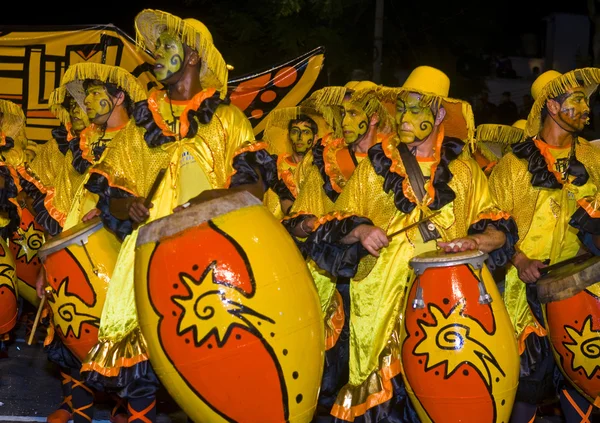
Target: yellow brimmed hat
(551, 84)
(13, 119)
(434, 85)
(502, 134)
(150, 23)
(72, 82)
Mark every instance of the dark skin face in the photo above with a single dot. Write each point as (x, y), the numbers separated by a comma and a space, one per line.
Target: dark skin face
(574, 110)
(170, 55)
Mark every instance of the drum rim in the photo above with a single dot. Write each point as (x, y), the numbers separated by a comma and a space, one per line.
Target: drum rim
(545, 297)
(427, 260)
(70, 237)
(190, 217)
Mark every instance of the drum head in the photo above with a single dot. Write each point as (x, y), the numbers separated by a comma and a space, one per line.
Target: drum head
(440, 258)
(568, 280)
(194, 215)
(75, 235)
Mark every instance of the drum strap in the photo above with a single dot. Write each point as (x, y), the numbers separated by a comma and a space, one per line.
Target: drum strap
(417, 182)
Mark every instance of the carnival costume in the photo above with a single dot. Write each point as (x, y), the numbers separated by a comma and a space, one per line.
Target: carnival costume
(541, 186)
(379, 193)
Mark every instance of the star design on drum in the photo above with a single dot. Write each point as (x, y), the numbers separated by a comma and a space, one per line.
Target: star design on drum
(68, 316)
(453, 334)
(7, 274)
(585, 347)
(213, 308)
(30, 240)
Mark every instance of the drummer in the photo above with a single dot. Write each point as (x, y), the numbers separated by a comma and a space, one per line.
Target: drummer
(434, 131)
(207, 147)
(540, 183)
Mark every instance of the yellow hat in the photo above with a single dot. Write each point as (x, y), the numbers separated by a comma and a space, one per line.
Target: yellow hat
(520, 124)
(13, 119)
(72, 82)
(502, 134)
(360, 85)
(434, 85)
(551, 84)
(149, 24)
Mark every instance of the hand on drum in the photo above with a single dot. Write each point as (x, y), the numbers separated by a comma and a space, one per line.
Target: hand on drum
(459, 244)
(90, 215)
(207, 195)
(138, 211)
(40, 282)
(529, 270)
(371, 237)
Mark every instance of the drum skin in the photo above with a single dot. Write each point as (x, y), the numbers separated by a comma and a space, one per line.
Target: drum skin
(460, 358)
(78, 294)
(8, 290)
(232, 319)
(24, 244)
(573, 326)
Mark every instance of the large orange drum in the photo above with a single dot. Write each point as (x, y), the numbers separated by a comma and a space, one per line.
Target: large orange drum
(79, 263)
(8, 290)
(570, 298)
(230, 313)
(459, 352)
(24, 245)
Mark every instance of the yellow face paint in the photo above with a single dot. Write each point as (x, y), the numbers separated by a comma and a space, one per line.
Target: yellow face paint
(574, 110)
(169, 56)
(98, 104)
(302, 137)
(79, 119)
(414, 121)
(355, 122)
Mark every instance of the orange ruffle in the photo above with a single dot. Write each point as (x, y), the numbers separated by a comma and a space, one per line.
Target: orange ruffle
(56, 214)
(335, 323)
(284, 170)
(110, 183)
(114, 371)
(591, 205)
(550, 160)
(255, 146)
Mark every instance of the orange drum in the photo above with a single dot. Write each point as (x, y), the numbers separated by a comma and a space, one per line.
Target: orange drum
(570, 298)
(24, 244)
(79, 263)
(8, 290)
(459, 353)
(230, 313)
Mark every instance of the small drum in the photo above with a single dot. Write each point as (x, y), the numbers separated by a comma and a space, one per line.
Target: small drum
(570, 298)
(79, 263)
(230, 313)
(24, 245)
(8, 290)
(460, 356)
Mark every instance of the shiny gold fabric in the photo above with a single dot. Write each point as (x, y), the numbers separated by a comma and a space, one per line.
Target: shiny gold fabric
(48, 162)
(542, 217)
(286, 170)
(132, 166)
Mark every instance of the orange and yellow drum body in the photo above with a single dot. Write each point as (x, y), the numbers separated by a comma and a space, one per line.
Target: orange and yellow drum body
(230, 313)
(24, 245)
(573, 326)
(459, 353)
(8, 290)
(79, 264)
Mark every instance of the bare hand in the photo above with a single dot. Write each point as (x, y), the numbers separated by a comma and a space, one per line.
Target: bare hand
(459, 244)
(209, 194)
(372, 238)
(137, 211)
(90, 215)
(529, 270)
(40, 282)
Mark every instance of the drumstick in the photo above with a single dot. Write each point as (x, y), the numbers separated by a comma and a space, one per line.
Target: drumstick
(37, 319)
(412, 225)
(545, 270)
(154, 187)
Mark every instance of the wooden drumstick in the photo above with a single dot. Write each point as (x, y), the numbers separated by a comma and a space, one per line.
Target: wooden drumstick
(154, 187)
(37, 319)
(577, 259)
(412, 225)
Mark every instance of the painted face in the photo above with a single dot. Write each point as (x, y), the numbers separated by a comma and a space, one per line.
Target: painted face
(574, 110)
(413, 120)
(98, 104)
(79, 119)
(302, 137)
(169, 56)
(355, 122)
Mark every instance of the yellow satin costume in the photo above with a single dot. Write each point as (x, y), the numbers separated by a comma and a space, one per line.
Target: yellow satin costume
(286, 170)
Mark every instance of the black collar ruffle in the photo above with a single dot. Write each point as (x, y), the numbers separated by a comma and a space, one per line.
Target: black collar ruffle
(319, 162)
(61, 136)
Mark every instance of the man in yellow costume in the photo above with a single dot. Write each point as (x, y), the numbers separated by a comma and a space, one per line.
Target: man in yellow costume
(207, 147)
(379, 199)
(540, 183)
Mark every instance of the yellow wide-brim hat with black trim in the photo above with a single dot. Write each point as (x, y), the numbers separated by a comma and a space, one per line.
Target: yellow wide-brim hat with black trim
(433, 86)
(551, 84)
(150, 23)
(13, 119)
(72, 82)
(277, 124)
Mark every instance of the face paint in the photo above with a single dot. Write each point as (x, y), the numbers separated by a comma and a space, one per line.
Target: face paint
(302, 137)
(98, 104)
(574, 111)
(169, 56)
(79, 120)
(355, 122)
(414, 121)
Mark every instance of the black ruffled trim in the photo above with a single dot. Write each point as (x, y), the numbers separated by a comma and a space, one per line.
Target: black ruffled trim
(60, 135)
(42, 216)
(80, 164)
(248, 163)
(9, 191)
(137, 381)
(584, 222)
(319, 162)
(59, 354)
(98, 184)
(451, 149)
(290, 224)
(9, 143)
(540, 175)
(324, 247)
(501, 256)
(154, 136)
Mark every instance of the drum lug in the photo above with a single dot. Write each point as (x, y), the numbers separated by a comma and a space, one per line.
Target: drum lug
(418, 302)
(484, 296)
(89, 257)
